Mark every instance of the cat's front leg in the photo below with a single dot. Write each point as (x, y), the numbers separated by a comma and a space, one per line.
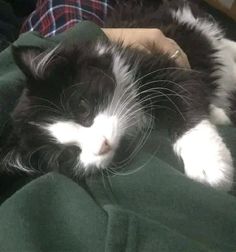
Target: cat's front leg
(205, 156)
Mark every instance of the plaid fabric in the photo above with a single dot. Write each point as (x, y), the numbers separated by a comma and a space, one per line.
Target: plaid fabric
(55, 16)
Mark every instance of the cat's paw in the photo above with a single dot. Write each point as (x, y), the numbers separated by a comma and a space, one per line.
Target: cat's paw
(213, 169)
(206, 157)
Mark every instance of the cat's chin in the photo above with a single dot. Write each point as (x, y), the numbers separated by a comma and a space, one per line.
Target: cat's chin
(91, 163)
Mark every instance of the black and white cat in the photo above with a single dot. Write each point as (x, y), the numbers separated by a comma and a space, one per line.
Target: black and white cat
(83, 104)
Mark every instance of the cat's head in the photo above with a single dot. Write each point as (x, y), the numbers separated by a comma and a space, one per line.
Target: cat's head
(82, 96)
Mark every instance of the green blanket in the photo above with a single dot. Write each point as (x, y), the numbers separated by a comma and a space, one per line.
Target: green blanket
(151, 206)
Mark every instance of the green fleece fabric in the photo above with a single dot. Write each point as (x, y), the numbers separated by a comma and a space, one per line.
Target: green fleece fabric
(150, 206)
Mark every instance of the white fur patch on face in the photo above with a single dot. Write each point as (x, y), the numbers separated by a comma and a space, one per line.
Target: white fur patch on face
(92, 138)
(125, 103)
(121, 70)
(89, 139)
(64, 132)
(206, 158)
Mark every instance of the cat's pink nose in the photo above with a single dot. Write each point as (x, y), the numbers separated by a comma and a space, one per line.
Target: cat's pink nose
(105, 147)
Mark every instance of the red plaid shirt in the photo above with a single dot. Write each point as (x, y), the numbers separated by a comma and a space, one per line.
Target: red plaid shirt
(55, 16)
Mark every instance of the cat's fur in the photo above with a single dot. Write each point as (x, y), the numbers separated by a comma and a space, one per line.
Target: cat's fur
(84, 106)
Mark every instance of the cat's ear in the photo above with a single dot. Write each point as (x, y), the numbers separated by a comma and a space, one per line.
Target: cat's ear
(36, 62)
(25, 58)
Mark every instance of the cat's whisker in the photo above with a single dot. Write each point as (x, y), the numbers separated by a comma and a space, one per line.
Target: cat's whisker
(168, 68)
(154, 96)
(146, 132)
(41, 61)
(140, 108)
(127, 161)
(114, 82)
(62, 98)
(14, 159)
(166, 81)
(147, 91)
(122, 90)
(49, 102)
(109, 179)
(139, 168)
(75, 85)
(53, 160)
(179, 111)
(156, 88)
(168, 97)
(99, 69)
(120, 97)
(139, 145)
(46, 108)
(103, 179)
(33, 152)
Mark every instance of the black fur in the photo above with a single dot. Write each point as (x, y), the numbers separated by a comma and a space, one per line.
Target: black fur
(78, 81)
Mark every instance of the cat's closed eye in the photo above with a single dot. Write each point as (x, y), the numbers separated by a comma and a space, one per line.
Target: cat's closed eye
(84, 109)
(84, 113)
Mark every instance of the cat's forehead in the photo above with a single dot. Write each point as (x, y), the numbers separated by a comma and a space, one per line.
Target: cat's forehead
(83, 70)
(93, 83)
